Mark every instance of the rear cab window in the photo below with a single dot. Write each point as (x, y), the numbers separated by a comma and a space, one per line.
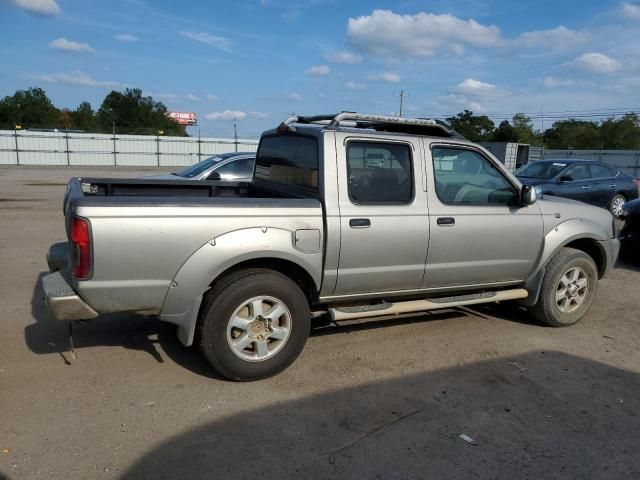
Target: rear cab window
(289, 160)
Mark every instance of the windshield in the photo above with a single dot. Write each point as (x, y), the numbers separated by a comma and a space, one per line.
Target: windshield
(541, 170)
(198, 168)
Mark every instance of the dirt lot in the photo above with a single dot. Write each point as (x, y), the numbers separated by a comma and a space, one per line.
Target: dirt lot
(384, 400)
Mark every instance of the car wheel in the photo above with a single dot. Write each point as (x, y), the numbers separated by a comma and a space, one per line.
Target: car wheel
(568, 289)
(254, 324)
(617, 204)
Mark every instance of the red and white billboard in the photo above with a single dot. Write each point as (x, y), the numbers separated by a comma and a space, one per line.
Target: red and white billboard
(184, 118)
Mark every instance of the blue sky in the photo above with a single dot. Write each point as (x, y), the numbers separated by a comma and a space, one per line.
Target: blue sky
(258, 60)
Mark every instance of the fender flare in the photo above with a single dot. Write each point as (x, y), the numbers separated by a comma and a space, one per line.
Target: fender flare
(561, 235)
(184, 297)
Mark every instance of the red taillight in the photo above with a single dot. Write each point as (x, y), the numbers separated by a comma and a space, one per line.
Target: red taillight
(81, 238)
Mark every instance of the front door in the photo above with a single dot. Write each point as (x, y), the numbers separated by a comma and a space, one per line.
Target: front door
(383, 215)
(575, 183)
(478, 232)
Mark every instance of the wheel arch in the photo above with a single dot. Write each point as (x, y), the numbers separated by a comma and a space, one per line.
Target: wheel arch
(271, 248)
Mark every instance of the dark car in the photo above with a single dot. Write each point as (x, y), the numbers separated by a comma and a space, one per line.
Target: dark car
(630, 234)
(584, 180)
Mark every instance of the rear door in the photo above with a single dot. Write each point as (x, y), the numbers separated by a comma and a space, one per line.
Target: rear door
(383, 214)
(479, 235)
(604, 185)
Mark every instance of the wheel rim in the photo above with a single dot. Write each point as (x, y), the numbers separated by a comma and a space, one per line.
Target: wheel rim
(259, 328)
(616, 206)
(572, 290)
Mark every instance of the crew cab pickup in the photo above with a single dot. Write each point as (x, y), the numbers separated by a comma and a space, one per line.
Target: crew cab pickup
(348, 216)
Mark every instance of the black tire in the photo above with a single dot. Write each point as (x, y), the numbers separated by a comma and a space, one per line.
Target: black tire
(613, 205)
(226, 296)
(547, 309)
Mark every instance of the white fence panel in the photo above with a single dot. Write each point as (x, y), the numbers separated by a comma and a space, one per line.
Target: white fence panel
(71, 148)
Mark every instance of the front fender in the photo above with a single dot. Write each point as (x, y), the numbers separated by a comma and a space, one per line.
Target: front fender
(183, 299)
(561, 235)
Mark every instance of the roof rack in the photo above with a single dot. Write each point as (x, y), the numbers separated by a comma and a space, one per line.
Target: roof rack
(380, 123)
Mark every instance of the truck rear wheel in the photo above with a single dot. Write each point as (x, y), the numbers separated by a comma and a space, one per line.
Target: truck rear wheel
(255, 323)
(568, 288)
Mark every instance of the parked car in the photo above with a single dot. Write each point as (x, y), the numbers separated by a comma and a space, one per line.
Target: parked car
(584, 180)
(316, 235)
(234, 166)
(630, 234)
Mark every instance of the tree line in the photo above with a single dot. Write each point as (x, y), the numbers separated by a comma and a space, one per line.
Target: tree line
(621, 133)
(131, 112)
(128, 112)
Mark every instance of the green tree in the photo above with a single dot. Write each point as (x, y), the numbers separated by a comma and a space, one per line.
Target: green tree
(29, 108)
(576, 134)
(131, 112)
(524, 130)
(83, 117)
(622, 133)
(477, 128)
(505, 133)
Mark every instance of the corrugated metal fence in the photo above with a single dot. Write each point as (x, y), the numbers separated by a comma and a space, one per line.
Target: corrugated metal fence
(627, 161)
(25, 147)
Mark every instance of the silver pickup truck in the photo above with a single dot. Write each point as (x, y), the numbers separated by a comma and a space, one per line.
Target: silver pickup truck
(349, 216)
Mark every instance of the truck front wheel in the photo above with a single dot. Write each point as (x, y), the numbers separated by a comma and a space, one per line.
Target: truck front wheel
(568, 288)
(255, 323)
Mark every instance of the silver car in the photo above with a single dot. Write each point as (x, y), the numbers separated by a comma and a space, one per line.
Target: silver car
(231, 167)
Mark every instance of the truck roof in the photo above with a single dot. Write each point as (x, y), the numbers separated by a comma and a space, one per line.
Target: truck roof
(357, 122)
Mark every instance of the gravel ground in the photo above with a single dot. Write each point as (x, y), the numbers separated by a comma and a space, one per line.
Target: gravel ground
(382, 399)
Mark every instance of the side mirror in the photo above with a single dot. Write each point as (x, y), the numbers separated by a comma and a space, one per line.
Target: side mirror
(566, 178)
(528, 195)
(214, 176)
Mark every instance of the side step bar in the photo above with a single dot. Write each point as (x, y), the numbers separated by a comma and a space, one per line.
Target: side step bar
(412, 306)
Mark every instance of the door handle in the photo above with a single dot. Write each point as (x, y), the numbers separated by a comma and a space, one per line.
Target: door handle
(359, 223)
(613, 185)
(585, 187)
(446, 221)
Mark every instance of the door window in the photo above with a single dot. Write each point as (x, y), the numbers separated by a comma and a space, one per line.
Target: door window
(237, 168)
(579, 172)
(601, 171)
(379, 173)
(464, 177)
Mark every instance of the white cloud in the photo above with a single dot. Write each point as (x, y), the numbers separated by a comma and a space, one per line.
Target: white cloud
(318, 70)
(70, 46)
(630, 10)
(126, 37)
(226, 115)
(559, 38)
(43, 8)
(295, 97)
(355, 86)
(344, 56)
(388, 34)
(192, 97)
(596, 63)
(476, 88)
(553, 82)
(234, 114)
(212, 97)
(388, 77)
(217, 41)
(77, 78)
(457, 101)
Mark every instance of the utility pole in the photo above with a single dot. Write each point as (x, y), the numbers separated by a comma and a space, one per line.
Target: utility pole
(542, 120)
(235, 132)
(402, 94)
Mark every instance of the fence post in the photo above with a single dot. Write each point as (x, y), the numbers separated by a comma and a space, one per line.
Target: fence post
(115, 154)
(199, 146)
(158, 148)
(15, 136)
(66, 139)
